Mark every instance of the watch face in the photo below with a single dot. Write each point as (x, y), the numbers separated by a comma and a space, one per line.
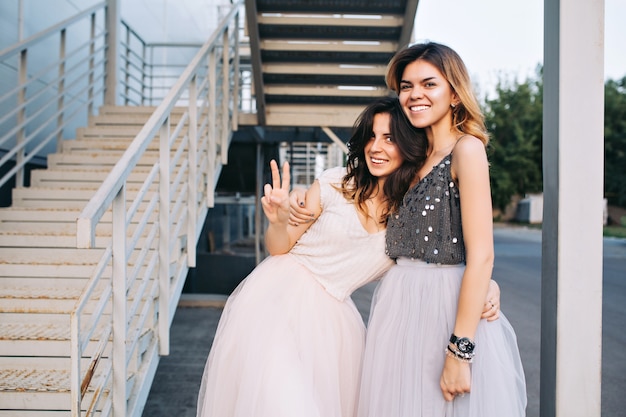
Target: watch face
(465, 345)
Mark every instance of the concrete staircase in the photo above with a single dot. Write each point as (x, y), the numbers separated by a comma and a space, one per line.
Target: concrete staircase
(42, 275)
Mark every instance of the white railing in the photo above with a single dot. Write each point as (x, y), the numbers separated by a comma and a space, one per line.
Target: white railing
(58, 92)
(146, 76)
(123, 303)
(60, 82)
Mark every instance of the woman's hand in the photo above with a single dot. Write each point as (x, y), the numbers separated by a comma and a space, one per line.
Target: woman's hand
(298, 213)
(491, 308)
(275, 200)
(455, 378)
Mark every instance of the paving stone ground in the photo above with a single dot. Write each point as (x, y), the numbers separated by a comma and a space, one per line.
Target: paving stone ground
(175, 388)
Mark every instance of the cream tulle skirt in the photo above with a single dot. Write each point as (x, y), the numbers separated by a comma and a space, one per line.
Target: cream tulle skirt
(284, 348)
(413, 314)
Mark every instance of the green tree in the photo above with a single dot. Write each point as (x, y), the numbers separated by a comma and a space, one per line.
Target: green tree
(514, 120)
(615, 141)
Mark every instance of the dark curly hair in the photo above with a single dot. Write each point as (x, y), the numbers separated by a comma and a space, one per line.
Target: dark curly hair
(359, 184)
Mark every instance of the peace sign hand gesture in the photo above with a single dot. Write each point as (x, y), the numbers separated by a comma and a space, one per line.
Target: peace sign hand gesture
(275, 200)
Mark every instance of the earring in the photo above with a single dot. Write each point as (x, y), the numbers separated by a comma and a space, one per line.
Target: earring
(453, 105)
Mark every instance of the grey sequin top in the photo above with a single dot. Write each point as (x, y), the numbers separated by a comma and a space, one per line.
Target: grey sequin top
(427, 225)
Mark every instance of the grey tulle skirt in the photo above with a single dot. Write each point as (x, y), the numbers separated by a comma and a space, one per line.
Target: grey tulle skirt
(413, 314)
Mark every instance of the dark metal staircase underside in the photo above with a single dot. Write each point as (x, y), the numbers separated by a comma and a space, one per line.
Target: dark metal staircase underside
(318, 63)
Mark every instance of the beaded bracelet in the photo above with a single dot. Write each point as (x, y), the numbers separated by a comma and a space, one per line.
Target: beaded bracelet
(465, 355)
(460, 356)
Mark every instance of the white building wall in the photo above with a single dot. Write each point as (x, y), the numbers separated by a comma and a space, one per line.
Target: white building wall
(156, 21)
(38, 15)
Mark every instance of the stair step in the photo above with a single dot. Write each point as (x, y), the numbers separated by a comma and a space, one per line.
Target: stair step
(46, 215)
(76, 198)
(61, 178)
(15, 239)
(126, 110)
(24, 194)
(43, 364)
(79, 268)
(41, 339)
(25, 388)
(47, 299)
(43, 215)
(57, 228)
(116, 131)
(108, 131)
(45, 241)
(38, 384)
(42, 288)
(117, 144)
(48, 228)
(61, 301)
(79, 204)
(50, 256)
(48, 335)
(127, 119)
(93, 144)
(52, 271)
(60, 204)
(85, 160)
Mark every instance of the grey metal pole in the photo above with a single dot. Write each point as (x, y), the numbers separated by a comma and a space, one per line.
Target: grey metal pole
(258, 219)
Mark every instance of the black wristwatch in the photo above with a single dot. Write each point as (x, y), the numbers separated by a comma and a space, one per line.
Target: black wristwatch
(463, 344)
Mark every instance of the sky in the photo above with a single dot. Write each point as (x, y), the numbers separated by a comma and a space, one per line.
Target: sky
(495, 38)
(504, 38)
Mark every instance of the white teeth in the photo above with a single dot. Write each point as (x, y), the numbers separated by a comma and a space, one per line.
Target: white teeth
(377, 161)
(418, 108)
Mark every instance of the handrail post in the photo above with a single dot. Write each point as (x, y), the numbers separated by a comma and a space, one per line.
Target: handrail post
(151, 102)
(225, 97)
(75, 356)
(112, 18)
(235, 90)
(127, 54)
(92, 64)
(61, 88)
(119, 303)
(192, 179)
(212, 139)
(164, 239)
(143, 73)
(21, 116)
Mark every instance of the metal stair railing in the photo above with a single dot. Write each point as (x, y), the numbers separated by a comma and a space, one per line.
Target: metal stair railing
(43, 104)
(54, 93)
(193, 146)
(146, 78)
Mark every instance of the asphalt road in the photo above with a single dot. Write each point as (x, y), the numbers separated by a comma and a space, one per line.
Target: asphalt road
(517, 270)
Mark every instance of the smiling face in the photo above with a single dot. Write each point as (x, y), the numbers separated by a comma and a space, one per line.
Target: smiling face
(381, 152)
(425, 95)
